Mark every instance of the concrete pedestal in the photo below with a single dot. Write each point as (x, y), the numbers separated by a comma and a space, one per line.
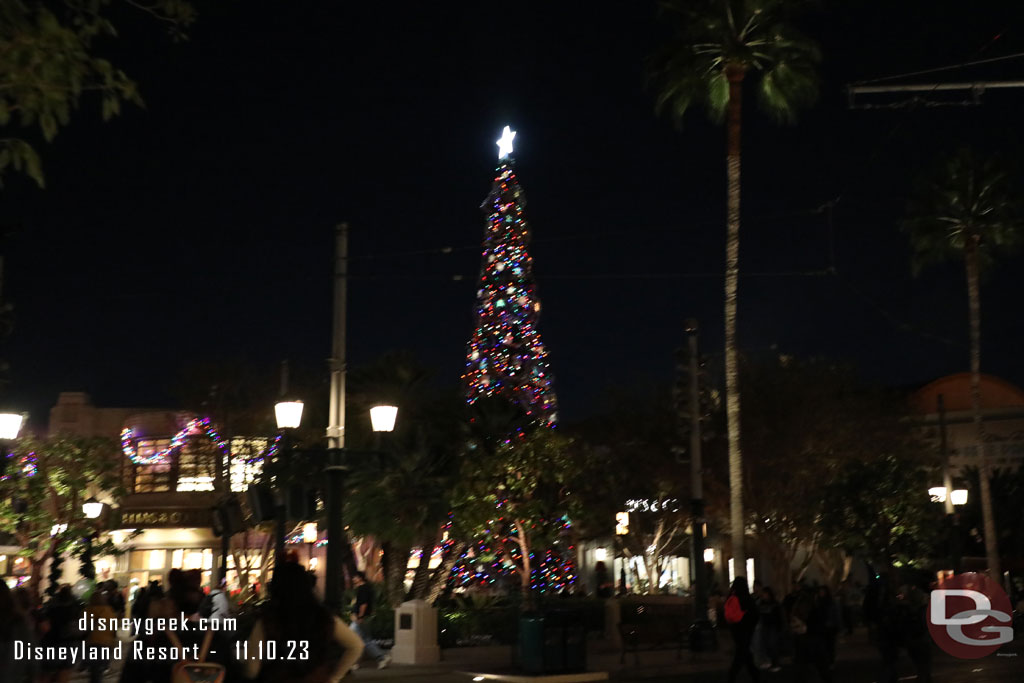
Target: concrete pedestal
(415, 634)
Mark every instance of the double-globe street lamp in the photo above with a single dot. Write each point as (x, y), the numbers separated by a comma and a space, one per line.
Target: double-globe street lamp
(337, 460)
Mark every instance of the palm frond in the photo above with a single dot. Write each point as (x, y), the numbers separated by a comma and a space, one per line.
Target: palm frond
(713, 35)
(969, 199)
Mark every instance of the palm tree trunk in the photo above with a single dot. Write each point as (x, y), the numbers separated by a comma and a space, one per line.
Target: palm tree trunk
(396, 561)
(995, 571)
(439, 579)
(421, 577)
(732, 270)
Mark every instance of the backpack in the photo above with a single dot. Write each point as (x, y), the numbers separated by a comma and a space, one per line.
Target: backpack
(206, 606)
(733, 610)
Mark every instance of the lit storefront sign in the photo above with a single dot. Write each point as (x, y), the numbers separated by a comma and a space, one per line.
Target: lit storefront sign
(166, 518)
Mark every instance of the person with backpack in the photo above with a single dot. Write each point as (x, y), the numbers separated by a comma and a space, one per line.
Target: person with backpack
(741, 616)
(214, 605)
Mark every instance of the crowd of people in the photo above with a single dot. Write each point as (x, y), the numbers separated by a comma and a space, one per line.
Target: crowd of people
(293, 637)
(806, 626)
(53, 624)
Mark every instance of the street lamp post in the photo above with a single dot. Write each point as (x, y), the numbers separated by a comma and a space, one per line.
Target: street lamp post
(309, 536)
(382, 419)
(92, 509)
(288, 414)
(702, 634)
(951, 498)
(336, 459)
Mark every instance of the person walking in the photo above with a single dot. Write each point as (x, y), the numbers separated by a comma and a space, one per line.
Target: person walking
(100, 610)
(741, 615)
(770, 626)
(832, 618)
(294, 614)
(15, 626)
(215, 606)
(115, 598)
(362, 609)
(809, 620)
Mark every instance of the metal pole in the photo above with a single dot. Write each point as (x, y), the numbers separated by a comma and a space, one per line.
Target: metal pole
(225, 550)
(336, 428)
(952, 517)
(280, 509)
(947, 476)
(280, 512)
(703, 637)
(336, 417)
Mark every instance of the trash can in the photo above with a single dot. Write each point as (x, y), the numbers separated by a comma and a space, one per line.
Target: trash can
(552, 642)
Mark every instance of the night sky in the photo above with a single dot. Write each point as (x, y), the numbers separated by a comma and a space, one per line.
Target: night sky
(201, 227)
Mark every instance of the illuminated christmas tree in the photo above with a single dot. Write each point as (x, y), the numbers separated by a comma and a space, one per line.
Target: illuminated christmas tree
(506, 357)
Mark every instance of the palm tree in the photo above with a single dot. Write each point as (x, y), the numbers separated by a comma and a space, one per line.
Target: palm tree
(717, 45)
(968, 211)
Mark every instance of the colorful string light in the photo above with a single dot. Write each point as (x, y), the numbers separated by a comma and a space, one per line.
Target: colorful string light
(505, 355)
(194, 426)
(28, 465)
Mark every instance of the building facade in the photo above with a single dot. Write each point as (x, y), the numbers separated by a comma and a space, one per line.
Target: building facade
(175, 469)
(1002, 406)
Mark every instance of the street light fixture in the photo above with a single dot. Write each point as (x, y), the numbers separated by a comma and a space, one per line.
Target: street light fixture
(382, 418)
(92, 508)
(10, 425)
(957, 496)
(288, 414)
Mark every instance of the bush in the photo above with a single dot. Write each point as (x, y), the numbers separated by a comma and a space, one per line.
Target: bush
(476, 620)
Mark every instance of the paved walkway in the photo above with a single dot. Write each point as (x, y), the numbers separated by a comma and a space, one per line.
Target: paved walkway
(857, 663)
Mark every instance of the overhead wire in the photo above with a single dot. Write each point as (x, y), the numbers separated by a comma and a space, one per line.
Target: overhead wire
(897, 126)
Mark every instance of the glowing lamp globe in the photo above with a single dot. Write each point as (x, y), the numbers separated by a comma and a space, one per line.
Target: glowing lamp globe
(309, 532)
(959, 496)
(10, 425)
(938, 494)
(288, 414)
(709, 554)
(92, 508)
(382, 418)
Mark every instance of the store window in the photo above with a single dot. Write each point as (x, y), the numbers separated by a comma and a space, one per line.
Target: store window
(246, 461)
(150, 478)
(197, 465)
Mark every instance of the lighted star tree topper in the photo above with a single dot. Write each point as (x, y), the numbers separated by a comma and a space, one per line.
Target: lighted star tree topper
(506, 356)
